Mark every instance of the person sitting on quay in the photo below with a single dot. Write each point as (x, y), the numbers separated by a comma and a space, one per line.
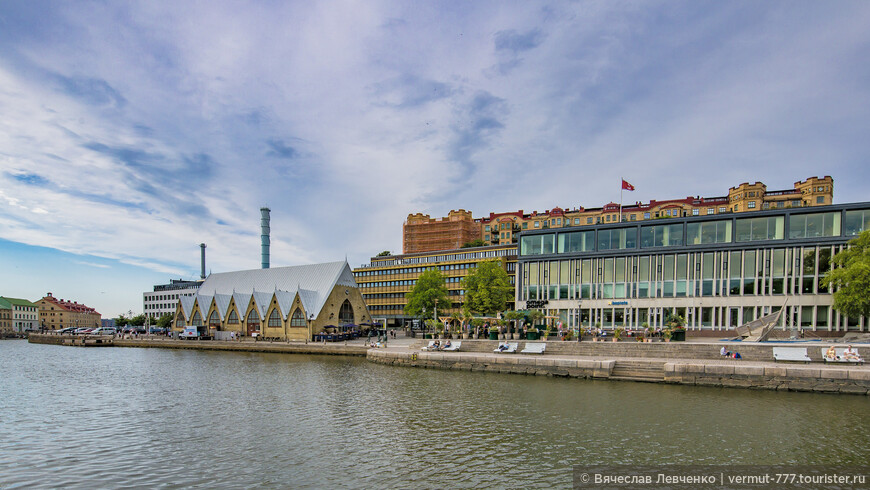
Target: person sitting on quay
(724, 352)
(851, 354)
(831, 354)
(445, 345)
(503, 346)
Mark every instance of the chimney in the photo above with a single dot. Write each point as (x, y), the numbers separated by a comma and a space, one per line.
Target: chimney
(264, 236)
(202, 260)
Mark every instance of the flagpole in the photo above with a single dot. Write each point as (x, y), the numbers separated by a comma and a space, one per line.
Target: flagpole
(620, 199)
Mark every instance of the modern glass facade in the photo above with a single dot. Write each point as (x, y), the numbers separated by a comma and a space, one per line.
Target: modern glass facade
(717, 272)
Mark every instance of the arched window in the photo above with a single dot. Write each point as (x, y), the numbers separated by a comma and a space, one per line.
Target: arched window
(275, 318)
(233, 318)
(253, 318)
(298, 318)
(213, 320)
(345, 314)
(197, 320)
(179, 321)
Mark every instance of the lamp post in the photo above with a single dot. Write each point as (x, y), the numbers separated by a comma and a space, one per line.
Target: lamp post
(436, 315)
(310, 319)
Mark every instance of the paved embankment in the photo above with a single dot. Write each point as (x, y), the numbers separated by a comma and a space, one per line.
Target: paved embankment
(700, 366)
(237, 346)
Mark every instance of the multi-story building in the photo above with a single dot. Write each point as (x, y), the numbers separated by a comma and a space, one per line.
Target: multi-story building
(55, 314)
(503, 228)
(420, 233)
(5, 318)
(164, 298)
(24, 313)
(386, 281)
(717, 271)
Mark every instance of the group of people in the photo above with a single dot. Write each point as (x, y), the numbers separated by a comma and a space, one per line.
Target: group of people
(438, 345)
(726, 353)
(849, 354)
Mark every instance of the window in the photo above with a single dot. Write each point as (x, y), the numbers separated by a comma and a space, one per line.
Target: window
(750, 205)
(213, 320)
(820, 200)
(708, 232)
(576, 221)
(752, 229)
(661, 236)
(814, 225)
(736, 208)
(589, 220)
(721, 210)
(617, 239)
(253, 319)
(696, 212)
(856, 221)
(645, 215)
(537, 245)
(345, 313)
(525, 225)
(233, 318)
(197, 320)
(581, 241)
(486, 228)
(537, 224)
(274, 318)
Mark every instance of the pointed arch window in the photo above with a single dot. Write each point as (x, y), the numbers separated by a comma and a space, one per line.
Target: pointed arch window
(275, 318)
(179, 320)
(197, 320)
(345, 314)
(298, 318)
(213, 320)
(253, 318)
(233, 318)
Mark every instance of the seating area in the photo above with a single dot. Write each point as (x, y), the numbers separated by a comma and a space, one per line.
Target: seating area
(511, 348)
(797, 354)
(436, 345)
(841, 357)
(534, 348)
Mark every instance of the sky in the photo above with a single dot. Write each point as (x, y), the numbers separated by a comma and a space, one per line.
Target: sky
(130, 132)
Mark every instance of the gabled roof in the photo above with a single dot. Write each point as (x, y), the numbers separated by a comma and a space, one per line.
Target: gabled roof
(186, 303)
(262, 300)
(222, 303)
(18, 301)
(285, 300)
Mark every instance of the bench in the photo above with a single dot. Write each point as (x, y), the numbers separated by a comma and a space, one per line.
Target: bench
(840, 358)
(534, 348)
(512, 348)
(454, 346)
(431, 346)
(791, 354)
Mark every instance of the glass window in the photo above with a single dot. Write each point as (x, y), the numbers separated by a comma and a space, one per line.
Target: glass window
(537, 244)
(274, 318)
(298, 318)
(857, 221)
(576, 221)
(617, 239)
(752, 229)
(537, 224)
(708, 232)
(813, 225)
(580, 241)
(661, 236)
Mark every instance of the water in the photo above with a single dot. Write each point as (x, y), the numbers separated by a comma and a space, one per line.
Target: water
(120, 417)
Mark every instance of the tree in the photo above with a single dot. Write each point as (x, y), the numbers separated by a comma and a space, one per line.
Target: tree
(487, 288)
(121, 321)
(474, 243)
(385, 253)
(165, 320)
(430, 287)
(850, 278)
(137, 321)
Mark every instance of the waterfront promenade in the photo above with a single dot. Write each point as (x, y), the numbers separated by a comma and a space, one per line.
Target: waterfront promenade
(689, 363)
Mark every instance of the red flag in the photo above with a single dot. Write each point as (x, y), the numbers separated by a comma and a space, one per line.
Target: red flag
(627, 186)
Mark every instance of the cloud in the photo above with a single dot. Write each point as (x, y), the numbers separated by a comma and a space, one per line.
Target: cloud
(93, 264)
(514, 43)
(479, 122)
(410, 91)
(280, 150)
(30, 179)
(93, 91)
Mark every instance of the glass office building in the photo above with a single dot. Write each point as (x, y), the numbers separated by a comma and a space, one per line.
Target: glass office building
(718, 272)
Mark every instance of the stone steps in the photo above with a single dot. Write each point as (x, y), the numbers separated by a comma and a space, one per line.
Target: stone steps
(638, 371)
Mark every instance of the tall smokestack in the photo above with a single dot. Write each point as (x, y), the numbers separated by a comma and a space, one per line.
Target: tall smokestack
(264, 236)
(202, 260)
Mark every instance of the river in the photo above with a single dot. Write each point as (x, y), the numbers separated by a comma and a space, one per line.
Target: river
(123, 417)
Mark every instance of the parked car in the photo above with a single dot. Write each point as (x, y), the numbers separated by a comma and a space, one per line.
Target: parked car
(83, 330)
(67, 331)
(104, 331)
(139, 330)
(157, 330)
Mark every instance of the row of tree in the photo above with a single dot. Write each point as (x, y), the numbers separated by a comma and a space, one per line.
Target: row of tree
(165, 321)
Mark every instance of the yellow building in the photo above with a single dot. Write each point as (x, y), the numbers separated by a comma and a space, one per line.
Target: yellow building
(55, 314)
(5, 318)
(289, 303)
(423, 234)
(386, 280)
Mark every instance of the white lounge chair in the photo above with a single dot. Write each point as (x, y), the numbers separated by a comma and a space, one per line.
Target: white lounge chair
(431, 346)
(534, 348)
(512, 348)
(791, 354)
(454, 346)
(840, 358)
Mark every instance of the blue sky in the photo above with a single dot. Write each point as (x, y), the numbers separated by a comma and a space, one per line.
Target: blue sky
(132, 131)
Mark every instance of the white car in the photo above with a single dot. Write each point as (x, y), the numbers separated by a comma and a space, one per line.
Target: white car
(104, 331)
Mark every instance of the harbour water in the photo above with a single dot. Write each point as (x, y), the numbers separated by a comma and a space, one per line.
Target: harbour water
(128, 417)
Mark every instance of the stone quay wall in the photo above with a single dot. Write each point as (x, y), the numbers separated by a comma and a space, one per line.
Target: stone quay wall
(718, 373)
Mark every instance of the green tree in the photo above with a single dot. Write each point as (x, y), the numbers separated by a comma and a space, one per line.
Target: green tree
(487, 288)
(474, 243)
(165, 320)
(137, 321)
(850, 277)
(430, 287)
(121, 321)
(385, 253)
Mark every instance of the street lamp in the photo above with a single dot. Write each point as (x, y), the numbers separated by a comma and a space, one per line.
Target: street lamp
(310, 319)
